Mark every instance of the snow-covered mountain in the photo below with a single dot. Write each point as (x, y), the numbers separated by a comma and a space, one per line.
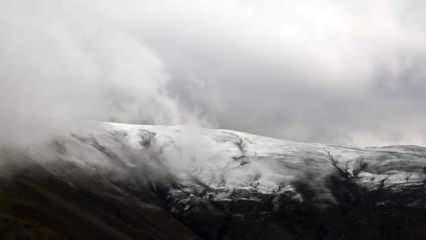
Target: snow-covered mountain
(225, 184)
(225, 160)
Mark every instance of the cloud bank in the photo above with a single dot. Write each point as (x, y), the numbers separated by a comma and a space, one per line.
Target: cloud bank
(337, 71)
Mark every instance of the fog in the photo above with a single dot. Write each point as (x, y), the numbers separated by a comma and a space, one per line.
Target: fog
(348, 72)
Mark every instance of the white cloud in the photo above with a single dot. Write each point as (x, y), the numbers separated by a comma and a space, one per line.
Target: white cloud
(329, 71)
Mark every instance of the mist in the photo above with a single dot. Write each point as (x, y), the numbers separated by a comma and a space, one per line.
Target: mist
(348, 72)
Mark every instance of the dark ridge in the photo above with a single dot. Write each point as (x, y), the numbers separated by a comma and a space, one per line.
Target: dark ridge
(34, 204)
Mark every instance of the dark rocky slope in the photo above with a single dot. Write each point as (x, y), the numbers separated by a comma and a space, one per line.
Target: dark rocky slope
(35, 204)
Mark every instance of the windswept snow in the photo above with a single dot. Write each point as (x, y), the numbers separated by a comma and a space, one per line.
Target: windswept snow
(225, 159)
(223, 164)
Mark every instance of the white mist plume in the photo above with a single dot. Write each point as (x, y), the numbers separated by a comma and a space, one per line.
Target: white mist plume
(64, 64)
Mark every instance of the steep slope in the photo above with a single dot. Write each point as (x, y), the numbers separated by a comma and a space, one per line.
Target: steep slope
(123, 181)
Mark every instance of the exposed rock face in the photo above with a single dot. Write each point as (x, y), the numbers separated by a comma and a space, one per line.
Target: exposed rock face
(157, 182)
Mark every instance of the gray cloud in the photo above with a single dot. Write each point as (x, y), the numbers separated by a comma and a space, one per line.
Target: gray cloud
(340, 71)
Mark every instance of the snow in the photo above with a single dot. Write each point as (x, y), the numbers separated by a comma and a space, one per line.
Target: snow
(225, 159)
(217, 163)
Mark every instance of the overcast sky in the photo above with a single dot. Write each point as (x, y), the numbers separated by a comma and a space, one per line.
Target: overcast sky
(336, 71)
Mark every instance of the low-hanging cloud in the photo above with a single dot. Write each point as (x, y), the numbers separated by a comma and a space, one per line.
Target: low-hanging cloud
(63, 64)
(335, 71)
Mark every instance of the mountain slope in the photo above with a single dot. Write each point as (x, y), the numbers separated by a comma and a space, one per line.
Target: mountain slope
(121, 181)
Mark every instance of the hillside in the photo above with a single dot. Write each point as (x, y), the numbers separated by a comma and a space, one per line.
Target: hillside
(120, 181)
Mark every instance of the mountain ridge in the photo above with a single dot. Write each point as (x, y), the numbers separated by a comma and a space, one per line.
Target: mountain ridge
(211, 184)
